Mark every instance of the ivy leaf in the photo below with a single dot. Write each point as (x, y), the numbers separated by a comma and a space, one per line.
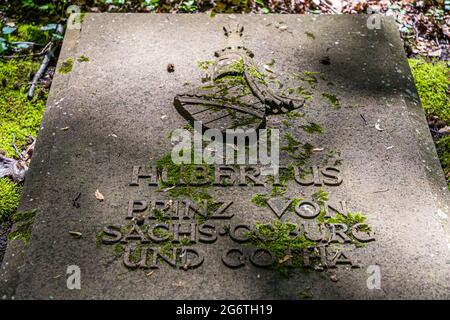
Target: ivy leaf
(8, 30)
(4, 45)
(57, 37)
(50, 26)
(23, 45)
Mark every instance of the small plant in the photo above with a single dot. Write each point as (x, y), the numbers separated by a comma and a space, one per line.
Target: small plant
(151, 4)
(263, 6)
(188, 6)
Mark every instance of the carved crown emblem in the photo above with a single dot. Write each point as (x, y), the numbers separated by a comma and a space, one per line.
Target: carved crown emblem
(237, 95)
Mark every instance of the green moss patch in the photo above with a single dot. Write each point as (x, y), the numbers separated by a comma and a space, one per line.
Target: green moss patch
(23, 221)
(260, 200)
(66, 66)
(277, 238)
(432, 82)
(9, 197)
(20, 116)
(83, 58)
(30, 32)
(333, 99)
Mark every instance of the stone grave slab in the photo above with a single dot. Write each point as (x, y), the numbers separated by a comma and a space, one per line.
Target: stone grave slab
(359, 209)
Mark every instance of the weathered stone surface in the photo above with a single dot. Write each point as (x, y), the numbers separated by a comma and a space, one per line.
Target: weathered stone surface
(116, 111)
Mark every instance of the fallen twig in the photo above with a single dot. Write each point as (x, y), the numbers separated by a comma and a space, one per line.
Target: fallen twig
(381, 191)
(41, 71)
(31, 54)
(51, 48)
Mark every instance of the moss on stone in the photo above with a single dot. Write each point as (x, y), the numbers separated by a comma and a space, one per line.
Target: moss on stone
(301, 152)
(83, 58)
(432, 82)
(333, 99)
(260, 200)
(312, 128)
(320, 196)
(278, 239)
(350, 219)
(23, 221)
(66, 66)
(206, 65)
(293, 114)
(9, 197)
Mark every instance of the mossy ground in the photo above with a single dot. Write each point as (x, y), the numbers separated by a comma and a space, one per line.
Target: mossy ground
(432, 82)
(19, 115)
(9, 197)
(443, 149)
(30, 32)
(433, 85)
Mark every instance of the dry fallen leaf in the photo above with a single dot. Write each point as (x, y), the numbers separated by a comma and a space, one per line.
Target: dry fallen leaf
(267, 68)
(76, 234)
(150, 273)
(285, 258)
(334, 278)
(169, 188)
(378, 127)
(99, 196)
(445, 129)
(65, 129)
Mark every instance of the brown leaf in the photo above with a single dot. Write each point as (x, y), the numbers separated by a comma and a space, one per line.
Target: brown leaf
(285, 258)
(445, 129)
(99, 196)
(76, 234)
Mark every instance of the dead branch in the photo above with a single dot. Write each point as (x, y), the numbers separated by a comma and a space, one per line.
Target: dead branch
(41, 71)
(51, 49)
